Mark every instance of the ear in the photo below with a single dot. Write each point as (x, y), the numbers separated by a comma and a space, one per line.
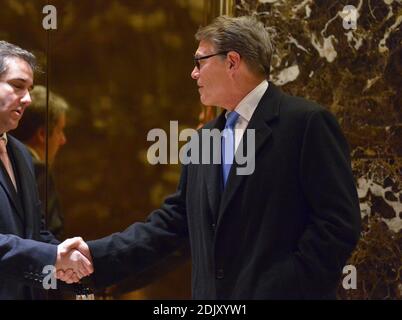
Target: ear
(234, 60)
(41, 135)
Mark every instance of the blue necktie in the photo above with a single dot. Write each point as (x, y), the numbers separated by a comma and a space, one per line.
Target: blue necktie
(228, 145)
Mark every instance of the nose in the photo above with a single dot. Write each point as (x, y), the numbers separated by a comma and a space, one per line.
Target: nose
(195, 74)
(63, 139)
(26, 99)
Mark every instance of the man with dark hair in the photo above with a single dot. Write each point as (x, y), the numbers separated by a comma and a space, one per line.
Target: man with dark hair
(22, 259)
(32, 132)
(284, 231)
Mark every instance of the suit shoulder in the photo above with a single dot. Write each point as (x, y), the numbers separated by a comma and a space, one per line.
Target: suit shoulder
(300, 105)
(17, 143)
(22, 148)
(302, 109)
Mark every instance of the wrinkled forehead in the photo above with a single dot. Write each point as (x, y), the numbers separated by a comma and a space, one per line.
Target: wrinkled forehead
(205, 47)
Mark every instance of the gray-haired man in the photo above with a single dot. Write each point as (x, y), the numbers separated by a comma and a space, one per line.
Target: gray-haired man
(282, 232)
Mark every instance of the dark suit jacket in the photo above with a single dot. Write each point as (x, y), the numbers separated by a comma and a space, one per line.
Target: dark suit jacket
(21, 259)
(283, 232)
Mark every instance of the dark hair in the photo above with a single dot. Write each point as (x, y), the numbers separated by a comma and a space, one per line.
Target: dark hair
(8, 50)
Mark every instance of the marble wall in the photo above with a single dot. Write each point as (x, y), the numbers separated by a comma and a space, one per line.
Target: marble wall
(356, 74)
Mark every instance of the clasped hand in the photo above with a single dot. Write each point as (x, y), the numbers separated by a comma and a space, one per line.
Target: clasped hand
(73, 261)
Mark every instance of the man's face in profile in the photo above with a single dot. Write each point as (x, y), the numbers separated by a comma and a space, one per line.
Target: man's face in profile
(19, 78)
(211, 77)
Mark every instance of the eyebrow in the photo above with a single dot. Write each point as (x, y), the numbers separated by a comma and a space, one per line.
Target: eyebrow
(198, 54)
(18, 79)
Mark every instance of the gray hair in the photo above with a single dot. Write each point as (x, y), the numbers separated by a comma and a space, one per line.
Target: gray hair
(8, 50)
(35, 116)
(245, 35)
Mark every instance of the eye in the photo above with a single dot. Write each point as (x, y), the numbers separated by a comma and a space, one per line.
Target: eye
(17, 86)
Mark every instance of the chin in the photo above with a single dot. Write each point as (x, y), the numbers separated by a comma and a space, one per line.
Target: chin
(12, 127)
(206, 102)
(202, 99)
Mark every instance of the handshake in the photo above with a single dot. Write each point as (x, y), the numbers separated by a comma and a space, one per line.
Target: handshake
(73, 261)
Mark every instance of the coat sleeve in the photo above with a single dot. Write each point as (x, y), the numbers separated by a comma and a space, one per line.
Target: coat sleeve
(23, 260)
(143, 244)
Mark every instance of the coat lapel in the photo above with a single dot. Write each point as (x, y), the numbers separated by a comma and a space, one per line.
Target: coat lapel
(25, 178)
(266, 111)
(213, 172)
(8, 186)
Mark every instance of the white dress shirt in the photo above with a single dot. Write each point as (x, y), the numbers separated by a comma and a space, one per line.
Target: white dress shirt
(4, 136)
(246, 109)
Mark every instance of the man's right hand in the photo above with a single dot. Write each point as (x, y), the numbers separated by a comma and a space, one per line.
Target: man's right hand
(7, 95)
(71, 264)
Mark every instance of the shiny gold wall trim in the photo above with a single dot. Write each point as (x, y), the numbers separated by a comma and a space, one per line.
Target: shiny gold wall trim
(214, 8)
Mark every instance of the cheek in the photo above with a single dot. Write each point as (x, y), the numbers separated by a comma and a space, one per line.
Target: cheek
(5, 116)
(52, 141)
(4, 107)
(60, 139)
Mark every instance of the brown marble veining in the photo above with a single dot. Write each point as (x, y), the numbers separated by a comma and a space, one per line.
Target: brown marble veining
(357, 75)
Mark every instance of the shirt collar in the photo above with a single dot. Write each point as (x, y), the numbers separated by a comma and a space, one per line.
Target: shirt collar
(4, 137)
(247, 106)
